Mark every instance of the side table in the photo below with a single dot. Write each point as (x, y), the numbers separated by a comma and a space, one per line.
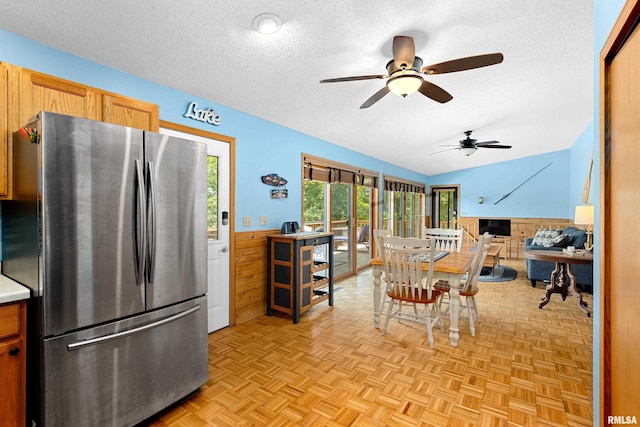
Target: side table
(563, 281)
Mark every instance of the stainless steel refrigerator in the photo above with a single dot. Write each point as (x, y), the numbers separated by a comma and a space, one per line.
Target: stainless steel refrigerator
(109, 231)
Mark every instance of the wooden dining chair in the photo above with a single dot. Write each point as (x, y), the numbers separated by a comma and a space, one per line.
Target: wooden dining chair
(469, 287)
(405, 260)
(447, 239)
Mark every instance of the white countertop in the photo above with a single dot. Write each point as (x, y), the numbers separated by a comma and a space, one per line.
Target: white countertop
(11, 291)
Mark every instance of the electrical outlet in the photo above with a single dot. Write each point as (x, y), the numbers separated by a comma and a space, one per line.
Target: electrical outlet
(246, 221)
(263, 220)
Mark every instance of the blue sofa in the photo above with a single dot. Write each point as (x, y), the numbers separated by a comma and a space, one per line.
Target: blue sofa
(541, 270)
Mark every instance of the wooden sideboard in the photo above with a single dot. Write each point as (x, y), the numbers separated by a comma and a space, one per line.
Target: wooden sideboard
(299, 272)
(24, 93)
(521, 229)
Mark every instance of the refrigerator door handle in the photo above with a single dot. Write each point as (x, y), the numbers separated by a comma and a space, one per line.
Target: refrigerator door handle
(98, 340)
(139, 215)
(151, 221)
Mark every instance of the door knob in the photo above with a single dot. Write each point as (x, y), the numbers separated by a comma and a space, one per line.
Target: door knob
(224, 249)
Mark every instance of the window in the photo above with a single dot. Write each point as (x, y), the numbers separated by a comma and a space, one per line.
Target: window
(403, 207)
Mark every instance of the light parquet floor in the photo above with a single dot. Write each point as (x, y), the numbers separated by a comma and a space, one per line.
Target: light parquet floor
(525, 367)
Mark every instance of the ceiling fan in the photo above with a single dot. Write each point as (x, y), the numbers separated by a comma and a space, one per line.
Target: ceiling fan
(404, 70)
(468, 146)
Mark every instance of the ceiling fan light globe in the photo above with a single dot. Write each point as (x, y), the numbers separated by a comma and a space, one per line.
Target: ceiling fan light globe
(467, 151)
(404, 85)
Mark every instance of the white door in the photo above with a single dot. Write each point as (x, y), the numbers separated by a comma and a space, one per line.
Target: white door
(218, 204)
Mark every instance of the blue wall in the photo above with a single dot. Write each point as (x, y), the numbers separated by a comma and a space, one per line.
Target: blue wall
(261, 147)
(579, 168)
(543, 196)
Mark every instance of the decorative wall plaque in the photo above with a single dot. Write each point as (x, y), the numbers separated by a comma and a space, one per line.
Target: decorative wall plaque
(207, 116)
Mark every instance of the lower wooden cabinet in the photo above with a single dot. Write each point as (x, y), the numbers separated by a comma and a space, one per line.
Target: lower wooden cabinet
(299, 272)
(13, 322)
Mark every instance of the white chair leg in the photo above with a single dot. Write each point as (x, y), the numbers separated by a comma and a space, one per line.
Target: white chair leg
(444, 294)
(475, 308)
(470, 316)
(439, 314)
(388, 316)
(427, 317)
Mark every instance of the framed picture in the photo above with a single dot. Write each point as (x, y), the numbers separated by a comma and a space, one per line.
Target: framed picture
(279, 194)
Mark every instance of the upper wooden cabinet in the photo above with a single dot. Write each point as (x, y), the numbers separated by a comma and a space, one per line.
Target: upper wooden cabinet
(40, 92)
(130, 112)
(24, 93)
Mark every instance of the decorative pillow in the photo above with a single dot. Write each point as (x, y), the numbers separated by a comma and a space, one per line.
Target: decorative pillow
(578, 236)
(544, 237)
(561, 241)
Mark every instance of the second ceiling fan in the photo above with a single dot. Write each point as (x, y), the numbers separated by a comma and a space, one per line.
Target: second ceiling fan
(468, 146)
(405, 69)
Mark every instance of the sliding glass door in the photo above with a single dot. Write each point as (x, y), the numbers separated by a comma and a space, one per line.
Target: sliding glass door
(403, 208)
(340, 200)
(341, 225)
(364, 220)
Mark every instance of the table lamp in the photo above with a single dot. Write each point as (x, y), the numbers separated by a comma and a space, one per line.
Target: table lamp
(584, 216)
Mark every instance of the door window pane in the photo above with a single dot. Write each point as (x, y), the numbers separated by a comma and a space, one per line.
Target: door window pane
(212, 197)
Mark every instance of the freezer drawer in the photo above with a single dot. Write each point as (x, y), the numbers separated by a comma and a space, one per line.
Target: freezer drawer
(122, 373)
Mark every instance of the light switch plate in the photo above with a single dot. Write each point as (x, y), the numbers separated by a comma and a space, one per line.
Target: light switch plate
(263, 220)
(246, 221)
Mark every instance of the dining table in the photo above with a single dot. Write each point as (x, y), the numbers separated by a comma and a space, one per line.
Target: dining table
(451, 267)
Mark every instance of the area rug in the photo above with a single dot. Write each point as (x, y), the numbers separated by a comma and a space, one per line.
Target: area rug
(499, 274)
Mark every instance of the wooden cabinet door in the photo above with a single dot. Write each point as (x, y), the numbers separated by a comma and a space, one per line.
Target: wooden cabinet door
(40, 92)
(10, 383)
(130, 112)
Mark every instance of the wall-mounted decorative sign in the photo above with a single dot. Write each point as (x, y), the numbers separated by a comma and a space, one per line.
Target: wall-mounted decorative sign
(281, 193)
(274, 179)
(206, 116)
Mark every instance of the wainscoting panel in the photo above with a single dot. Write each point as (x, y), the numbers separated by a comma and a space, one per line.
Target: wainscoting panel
(251, 274)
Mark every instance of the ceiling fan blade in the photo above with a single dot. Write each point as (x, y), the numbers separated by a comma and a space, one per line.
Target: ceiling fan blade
(442, 151)
(434, 92)
(404, 52)
(463, 64)
(375, 98)
(350, 79)
(480, 144)
(495, 146)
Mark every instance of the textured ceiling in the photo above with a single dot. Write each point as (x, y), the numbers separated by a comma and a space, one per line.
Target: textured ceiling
(540, 99)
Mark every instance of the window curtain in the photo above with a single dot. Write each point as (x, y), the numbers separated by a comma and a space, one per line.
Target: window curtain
(394, 184)
(334, 174)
